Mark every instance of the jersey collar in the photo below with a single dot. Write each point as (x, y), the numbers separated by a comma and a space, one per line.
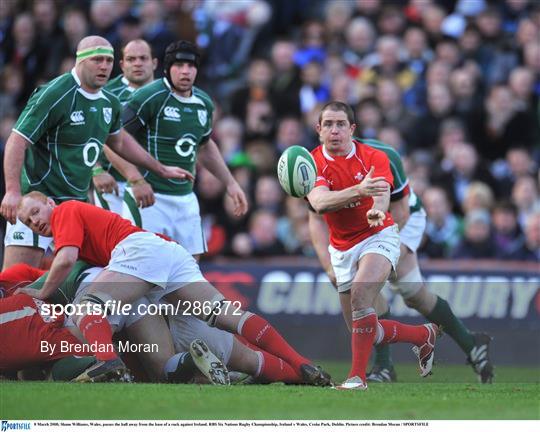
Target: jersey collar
(330, 158)
(87, 95)
(127, 84)
(192, 99)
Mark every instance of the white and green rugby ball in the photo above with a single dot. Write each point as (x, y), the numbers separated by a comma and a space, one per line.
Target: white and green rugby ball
(296, 171)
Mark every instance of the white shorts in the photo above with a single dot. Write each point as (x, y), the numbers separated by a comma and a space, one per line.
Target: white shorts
(163, 263)
(20, 235)
(186, 328)
(412, 232)
(176, 216)
(118, 320)
(345, 263)
(110, 201)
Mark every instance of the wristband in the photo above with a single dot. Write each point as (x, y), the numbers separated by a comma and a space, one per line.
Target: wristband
(136, 182)
(97, 171)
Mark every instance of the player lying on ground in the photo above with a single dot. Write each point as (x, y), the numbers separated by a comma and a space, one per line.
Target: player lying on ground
(189, 334)
(352, 191)
(408, 212)
(139, 263)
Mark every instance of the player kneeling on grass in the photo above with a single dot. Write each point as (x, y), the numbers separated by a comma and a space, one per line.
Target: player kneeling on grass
(139, 263)
(352, 191)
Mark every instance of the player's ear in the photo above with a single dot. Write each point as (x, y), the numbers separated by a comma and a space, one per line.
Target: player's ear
(154, 63)
(51, 202)
(318, 128)
(353, 127)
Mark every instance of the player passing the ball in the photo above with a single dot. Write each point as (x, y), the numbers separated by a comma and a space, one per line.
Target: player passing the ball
(352, 191)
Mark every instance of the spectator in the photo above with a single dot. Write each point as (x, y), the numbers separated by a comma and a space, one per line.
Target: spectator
(103, 17)
(261, 240)
(427, 127)
(467, 97)
(432, 19)
(11, 91)
(289, 227)
(465, 169)
(312, 47)
(360, 38)
(76, 27)
(369, 118)
(394, 113)
(525, 197)
(477, 242)
(521, 82)
(500, 125)
(443, 229)
(268, 194)
(154, 30)
(518, 163)
(285, 86)
(507, 234)
(228, 133)
(530, 248)
(290, 131)
(478, 196)
(337, 16)
(25, 54)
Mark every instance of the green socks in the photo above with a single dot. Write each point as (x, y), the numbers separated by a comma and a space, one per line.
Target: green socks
(443, 316)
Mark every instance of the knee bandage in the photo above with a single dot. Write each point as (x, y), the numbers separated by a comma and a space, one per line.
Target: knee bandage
(411, 283)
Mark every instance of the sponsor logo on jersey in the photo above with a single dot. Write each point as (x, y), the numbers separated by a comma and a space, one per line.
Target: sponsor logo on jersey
(93, 109)
(359, 177)
(18, 235)
(188, 109)
(172, 113)
(203, 117)
(77, 118)
(107, 115)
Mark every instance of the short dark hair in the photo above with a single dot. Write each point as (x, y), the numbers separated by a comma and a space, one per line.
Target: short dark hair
(338, 106)
(122, 50)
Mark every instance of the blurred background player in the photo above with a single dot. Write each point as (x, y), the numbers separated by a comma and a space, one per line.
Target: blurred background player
(173, 119)
(407, 211)
(138, 65)
(352, 191)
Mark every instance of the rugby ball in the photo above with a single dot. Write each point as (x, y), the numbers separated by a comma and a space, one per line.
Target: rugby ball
(296, 171)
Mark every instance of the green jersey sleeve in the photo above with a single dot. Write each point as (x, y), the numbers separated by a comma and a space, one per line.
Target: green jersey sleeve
(40, 113)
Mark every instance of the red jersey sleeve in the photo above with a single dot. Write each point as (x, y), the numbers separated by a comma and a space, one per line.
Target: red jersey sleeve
(381, 163)
(67, 226)
(18, 275)
(320, 164)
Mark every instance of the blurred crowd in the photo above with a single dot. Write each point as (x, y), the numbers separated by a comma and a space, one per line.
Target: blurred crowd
(454, 86)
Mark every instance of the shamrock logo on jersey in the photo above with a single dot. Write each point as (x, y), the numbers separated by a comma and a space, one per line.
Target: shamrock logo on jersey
(107, 115)
(203, 116)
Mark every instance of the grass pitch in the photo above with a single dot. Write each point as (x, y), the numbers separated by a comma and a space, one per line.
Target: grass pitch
(452, 393)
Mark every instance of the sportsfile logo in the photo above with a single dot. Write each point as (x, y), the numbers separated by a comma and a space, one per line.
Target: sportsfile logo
(172, 113)
(13, 425)
(77, 118)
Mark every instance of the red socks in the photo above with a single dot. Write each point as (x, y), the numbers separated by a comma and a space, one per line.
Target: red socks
(275, 369)
(394, 331)
(364, 329)
(260, 333)
(97, 330)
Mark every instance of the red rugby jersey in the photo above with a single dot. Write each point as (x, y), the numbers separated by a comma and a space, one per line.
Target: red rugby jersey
(349, 226)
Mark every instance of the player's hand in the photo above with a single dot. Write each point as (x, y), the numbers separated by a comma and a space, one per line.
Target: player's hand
(143, 194)
(9, 205)
(239, 198)
(37, 294)
(105, 183)
(172, 172)
(375, 217)
(372, 186)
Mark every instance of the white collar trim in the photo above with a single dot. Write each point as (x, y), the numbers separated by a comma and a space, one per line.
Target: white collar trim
(349, 155)
(87, 95)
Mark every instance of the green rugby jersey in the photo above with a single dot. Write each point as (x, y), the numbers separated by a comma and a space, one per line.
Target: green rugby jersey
(401, 182)
(173, 129)
(68, 289)
(118, 86)
(67, 128)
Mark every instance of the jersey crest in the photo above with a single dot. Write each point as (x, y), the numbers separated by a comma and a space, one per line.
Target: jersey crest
(107, 115)
(203, 117)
